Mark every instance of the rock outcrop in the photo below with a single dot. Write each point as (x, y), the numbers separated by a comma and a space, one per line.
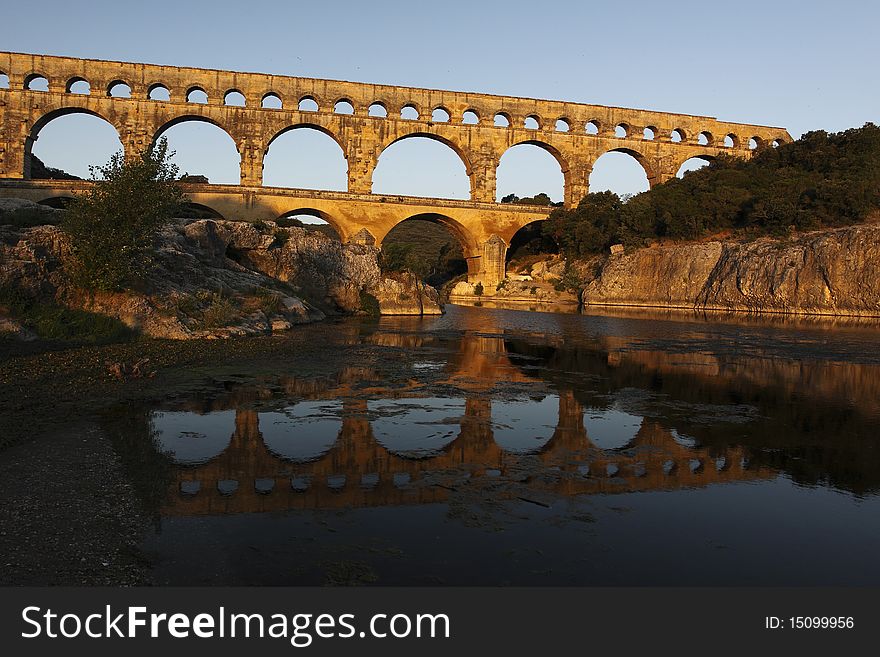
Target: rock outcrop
(214, 279)
(405, 294)
(835, 272)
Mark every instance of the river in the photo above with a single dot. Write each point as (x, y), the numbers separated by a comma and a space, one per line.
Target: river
(499, 447)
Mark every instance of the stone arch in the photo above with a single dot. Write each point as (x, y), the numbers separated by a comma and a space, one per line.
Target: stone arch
(198, 118)
(49, 116)
(114, 89)
(529, 237)
(4, 80)
(196, 89)
(614, 171)
(680, 170)
(338, 226)
(314, 126)
(330, 168)
(469, 243)
(69, 86)
(35, 76)
(410, 106)
(192, 210)
(57, 202)
(421, 132)
(378, 109)
(183, 118)
(553, 151)
(269, 98)
(339, 107)
(234, 98)
(158, 89)
(306, 102)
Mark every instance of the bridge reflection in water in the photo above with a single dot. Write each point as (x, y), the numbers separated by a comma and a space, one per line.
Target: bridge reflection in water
(348, 443)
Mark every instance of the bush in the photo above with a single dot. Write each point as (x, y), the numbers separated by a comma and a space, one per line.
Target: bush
(478, 289)
(112, 226)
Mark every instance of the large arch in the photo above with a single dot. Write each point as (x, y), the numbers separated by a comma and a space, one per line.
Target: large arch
(85, 138)
(389, 178)
(434, 242)
(614, 171)
(202, 147)
(530, 240)
(466, 239)
(301, 215)
(539, 172)
(693, 164)
(324, 167)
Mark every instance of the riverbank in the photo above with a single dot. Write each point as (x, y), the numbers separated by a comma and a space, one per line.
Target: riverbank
(207, 279)
(834, 273)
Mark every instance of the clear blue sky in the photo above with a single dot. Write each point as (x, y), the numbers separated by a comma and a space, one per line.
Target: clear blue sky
(802, 65)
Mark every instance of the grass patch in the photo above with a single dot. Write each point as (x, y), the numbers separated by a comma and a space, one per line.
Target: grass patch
(28, 218)
(51, 321)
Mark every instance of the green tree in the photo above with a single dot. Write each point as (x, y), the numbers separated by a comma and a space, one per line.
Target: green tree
(113, 226)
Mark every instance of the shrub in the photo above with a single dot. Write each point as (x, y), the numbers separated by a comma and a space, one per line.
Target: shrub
(478, 289)
(112, 226)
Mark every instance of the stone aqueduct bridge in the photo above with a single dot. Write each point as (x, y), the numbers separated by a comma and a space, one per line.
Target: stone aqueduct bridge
(484, 227)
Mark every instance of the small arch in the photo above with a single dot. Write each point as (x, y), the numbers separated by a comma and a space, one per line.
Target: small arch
(119, 89)
(502, 120)
(705, 138)
(36, 82)
(731, 141)
(158, 91)
(271, 100)
(677, 136)
(343, 106)
(440, 115)
(470, 117)
(234, 98)
(307, 104)
(621, 131)
(592, 127)
(532, 122)
(409, 112)
(649, 133)
(4, 81)
(197, 95)
(312, 220)
(755, 143)
(78, 86)
(562, 125)
(377, 110)
(776, 143)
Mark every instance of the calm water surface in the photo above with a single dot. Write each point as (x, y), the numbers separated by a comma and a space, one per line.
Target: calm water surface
(512, 448)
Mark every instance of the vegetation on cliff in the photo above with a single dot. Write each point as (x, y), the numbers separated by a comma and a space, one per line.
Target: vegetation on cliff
(112, 226)
(822, 180)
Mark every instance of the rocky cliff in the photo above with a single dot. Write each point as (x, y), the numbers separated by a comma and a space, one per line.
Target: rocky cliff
(835, 272)
(216, 279)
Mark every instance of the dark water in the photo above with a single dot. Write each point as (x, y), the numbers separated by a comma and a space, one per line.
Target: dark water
(512, 448)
